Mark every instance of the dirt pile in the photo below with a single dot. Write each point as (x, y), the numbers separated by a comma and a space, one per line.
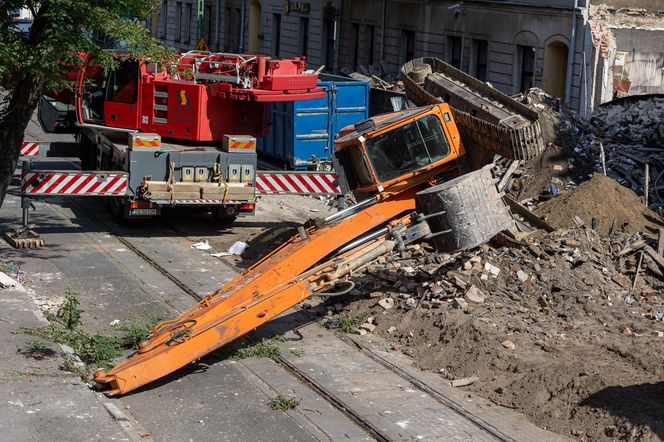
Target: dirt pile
(556, 328)
(602, 202)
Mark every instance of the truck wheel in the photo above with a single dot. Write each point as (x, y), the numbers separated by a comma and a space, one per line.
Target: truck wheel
(222, 216)
(116, 205)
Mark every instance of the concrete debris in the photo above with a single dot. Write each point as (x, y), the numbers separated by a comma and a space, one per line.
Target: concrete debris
(464, 382)
(368, 327)
(386, 303)
(7, 281)
(508, 345)
(523, 276)
(475, 295)
(492, 269)
(460, 303)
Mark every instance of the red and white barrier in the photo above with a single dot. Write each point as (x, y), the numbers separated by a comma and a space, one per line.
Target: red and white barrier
(74, 183)
(29, 149)
(310, 183)
(209, 202)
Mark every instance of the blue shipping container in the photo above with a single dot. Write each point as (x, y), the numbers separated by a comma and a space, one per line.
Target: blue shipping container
(303, 132)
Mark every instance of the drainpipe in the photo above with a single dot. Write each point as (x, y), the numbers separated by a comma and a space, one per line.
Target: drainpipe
(570, 57)
(242, 20)
(217, 23)
(337, 38)
(382, 32)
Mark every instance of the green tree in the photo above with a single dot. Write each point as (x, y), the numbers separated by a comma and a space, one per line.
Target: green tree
(38, 62)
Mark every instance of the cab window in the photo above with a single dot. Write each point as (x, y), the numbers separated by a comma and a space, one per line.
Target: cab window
(408, 148)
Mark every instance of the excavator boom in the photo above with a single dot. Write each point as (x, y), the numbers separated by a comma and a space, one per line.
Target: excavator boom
(427, 146)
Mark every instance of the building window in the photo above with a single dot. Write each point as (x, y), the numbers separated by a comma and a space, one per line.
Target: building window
(329, 30)
(355, 49)
(163, 19)
(526, 56)
(479, 61)
(227, 29)
(304, 36)
(454, 49)
(276, 34)
(178, 21)
(186, 33)
(407, 46)
(207, 26)
(369, 34)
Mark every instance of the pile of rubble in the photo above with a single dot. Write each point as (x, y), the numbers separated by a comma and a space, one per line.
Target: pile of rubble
(535, 326)
(623, 141)
(561, 318)
(377, 79)
(626, 141)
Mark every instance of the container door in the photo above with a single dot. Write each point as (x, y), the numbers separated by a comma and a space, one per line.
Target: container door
(351, 104)
(311, 129)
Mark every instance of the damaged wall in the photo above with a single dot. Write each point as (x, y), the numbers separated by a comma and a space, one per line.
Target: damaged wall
(639, 60)
(629, 50)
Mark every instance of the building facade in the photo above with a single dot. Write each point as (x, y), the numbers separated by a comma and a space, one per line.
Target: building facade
(582, 53)
(274, 27)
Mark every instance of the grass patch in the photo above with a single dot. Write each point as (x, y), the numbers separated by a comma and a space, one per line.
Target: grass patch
(94, 349)
(299, 352)
(266, 348)
(348, 324)
(282, 402)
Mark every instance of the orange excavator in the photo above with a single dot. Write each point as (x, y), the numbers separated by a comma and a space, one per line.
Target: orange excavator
(405, 169)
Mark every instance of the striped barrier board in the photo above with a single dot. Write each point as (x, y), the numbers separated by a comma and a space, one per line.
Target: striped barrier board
(196, 202)
(30, 149)
(310, 183)
(74, 183)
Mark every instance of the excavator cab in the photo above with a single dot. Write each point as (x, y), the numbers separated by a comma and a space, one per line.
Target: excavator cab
(392, 151)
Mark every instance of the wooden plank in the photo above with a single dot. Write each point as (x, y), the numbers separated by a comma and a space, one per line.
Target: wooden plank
(660, 242)
(655, 256)
(508, 174)
(529, 216)
(646, 182)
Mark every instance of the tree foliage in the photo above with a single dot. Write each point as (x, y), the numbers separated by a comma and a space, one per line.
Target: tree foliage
(39, 62)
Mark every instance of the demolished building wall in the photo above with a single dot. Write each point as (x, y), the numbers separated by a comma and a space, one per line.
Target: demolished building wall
(629, 51)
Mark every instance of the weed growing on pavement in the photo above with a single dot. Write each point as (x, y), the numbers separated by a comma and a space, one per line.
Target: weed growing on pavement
(299, 352)
(348, 324)
(94, 349)
(266, 348)
(68, 314)
(282, 402)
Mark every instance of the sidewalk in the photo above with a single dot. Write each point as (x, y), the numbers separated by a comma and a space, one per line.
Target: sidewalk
(39, 400)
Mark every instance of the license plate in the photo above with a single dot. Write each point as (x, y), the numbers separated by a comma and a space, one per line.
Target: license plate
(142, 212)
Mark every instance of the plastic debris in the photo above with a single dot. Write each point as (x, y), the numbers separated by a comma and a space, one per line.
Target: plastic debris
(238, 248)
(203, 245)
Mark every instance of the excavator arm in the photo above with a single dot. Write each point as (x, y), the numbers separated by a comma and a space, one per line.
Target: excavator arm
(272, 286)
(320, 256)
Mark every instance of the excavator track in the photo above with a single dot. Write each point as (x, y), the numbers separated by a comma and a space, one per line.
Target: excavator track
(487, 119)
